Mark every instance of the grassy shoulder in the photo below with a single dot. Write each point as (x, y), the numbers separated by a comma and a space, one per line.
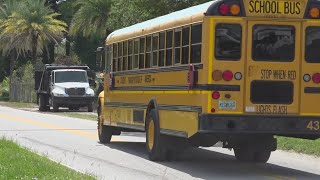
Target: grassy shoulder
(80, 115)
(19, 163)
(311, 147)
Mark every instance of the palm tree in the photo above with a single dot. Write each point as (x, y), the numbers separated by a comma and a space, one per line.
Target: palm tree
(91, 18)
(6, 9)
(30, 28)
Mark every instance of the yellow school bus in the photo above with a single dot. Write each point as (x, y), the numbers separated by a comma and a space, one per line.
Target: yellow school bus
(233, 71)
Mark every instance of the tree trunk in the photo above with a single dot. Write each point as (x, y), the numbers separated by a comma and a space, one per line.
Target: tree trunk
(68, 46)
(34, 52)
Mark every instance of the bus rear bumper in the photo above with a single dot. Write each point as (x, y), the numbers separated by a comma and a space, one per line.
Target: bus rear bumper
(294, 126)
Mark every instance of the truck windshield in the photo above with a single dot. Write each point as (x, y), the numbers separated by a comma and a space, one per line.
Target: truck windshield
(70, 76)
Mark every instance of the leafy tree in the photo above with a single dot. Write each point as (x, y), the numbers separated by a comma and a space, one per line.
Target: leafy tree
(30, 28)
(91, 18)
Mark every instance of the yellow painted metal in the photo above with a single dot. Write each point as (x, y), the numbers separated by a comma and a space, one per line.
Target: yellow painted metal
(309, 104)
(275, 8)
(256, 69)
(234, 66)
(151, 131)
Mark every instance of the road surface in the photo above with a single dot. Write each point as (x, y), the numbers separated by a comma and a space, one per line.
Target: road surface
(73, 142)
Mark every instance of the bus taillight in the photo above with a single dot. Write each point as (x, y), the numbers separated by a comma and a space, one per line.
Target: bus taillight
(227, 75)
(232, 9)
(314, 12)
(224, 9)
(215, 95)
(217, 75)
(316, 78)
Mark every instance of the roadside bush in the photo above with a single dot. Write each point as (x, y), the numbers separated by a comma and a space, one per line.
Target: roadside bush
(4, 89)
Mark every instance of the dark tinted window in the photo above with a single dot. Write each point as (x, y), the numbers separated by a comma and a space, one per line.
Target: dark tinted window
(185, 36)
(228, 42)
(169, 39)
(196, 34)
(155, 47)
(312, 52)
(148, 52)
(196, 40)
(273, 43)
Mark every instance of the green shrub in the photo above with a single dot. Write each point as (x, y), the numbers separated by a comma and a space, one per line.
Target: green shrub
(4, 89)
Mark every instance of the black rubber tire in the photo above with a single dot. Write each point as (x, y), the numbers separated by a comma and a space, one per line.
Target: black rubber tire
(55, 106)
(252, 154)
(90, 107)
(158, 151)
(42, 103)
(104, 132)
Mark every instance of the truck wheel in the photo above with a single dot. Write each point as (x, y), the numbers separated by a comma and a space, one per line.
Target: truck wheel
(155, 145)
(42, 103)
(55, 106)
(90, 107)
(104, 132)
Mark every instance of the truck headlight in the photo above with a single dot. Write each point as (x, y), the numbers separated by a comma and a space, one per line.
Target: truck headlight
(59, 95)
(90, 92)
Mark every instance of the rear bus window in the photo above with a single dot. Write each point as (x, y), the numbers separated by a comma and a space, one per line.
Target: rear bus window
(273, 43)
(312, 52)
(228, 42)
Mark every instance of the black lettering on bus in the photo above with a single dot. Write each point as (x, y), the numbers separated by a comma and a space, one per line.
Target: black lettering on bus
(256, 5)
(292, 75)
(266, 74)
(264, 109)
(280, 109)
(147, 79)
(298, 8)
(135, 80)
(251, 8)
(278, 9)
(286, 8)
(279, 74)
(267, 7)
(123, 80)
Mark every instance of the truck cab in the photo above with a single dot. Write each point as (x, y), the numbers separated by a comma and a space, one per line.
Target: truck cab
(70, 88)
(64, 86)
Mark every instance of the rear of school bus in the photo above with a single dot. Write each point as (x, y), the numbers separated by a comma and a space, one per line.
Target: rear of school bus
(264, 65)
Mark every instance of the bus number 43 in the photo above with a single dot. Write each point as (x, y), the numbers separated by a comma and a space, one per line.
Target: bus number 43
(314, 125)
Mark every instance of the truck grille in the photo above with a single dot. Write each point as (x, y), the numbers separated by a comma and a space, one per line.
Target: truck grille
(272, 92)
(75, 91)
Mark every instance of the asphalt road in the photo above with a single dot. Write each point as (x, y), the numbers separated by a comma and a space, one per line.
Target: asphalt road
(73, 142)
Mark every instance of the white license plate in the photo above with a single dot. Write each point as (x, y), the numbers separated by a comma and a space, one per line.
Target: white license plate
(227, 105)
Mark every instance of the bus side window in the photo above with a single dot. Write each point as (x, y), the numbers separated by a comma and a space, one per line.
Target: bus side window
(119, 57)
(177, 45)
(162, 49)
(142, 51)
(169, 41)
(125, 56)
(196, 40)
(130, 54)
(185, 45)
(148, 52)
(136, 54)
(155, 47)
(115, 56)
(108, 58)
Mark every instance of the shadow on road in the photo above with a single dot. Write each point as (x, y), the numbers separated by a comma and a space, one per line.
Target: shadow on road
(206, 164)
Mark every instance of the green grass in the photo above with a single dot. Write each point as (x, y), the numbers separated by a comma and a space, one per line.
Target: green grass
(311, 147)
(80, 115)
(18, 104)
(19, 163)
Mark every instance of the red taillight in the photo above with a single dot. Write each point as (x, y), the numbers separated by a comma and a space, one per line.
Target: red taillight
(227, 75)
(224, 9)
(215, 95)
(316, 78)
(213, 110)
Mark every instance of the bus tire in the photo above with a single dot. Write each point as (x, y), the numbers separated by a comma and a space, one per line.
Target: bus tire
(154, 143)
(251, 154)
(42, 103)
(104, 132)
